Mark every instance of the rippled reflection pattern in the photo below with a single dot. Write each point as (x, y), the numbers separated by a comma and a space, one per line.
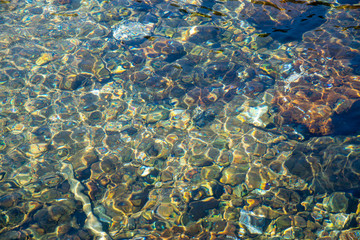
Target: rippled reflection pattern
(187, 119)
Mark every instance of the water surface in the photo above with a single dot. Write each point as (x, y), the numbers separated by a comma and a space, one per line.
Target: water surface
(179, 119)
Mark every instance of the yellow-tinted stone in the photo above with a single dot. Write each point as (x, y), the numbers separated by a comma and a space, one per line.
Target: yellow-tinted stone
(45, 58)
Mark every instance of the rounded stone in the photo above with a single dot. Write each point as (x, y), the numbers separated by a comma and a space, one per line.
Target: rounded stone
(233, 176)
(10, 200)
(283, 222)
(200, 34)
(341, 220)
(15, 216)
(200, 160)
(123, 205)
(73, 82)
(337, 202)
(166, 176)
(299, 221)
(170, 49)
(132, 32)
(166, 211)
(210, 172)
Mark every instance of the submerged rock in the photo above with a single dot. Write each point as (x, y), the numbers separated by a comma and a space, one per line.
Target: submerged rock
(287, 21)
(130, 31)
(337, 202)
(347, 122)
(254, 224)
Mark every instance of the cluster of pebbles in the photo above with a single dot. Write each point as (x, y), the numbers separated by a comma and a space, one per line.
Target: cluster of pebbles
(178, 119)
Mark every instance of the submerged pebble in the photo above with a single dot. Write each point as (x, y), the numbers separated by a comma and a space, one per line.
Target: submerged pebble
(182, 120)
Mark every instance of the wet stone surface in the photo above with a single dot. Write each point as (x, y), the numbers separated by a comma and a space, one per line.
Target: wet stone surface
(179, 119)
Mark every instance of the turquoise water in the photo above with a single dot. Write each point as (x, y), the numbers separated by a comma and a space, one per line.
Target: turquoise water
(179, 119)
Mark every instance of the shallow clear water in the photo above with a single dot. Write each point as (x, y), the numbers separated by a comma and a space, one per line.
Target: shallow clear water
(179, 119)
